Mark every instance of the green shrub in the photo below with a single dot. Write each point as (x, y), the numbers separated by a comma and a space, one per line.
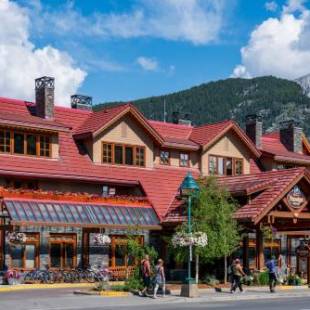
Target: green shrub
(211, 280)
(294, 280)
(119, 288)
(261, 278)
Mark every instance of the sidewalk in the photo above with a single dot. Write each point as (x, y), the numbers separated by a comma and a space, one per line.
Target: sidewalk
(66, 300)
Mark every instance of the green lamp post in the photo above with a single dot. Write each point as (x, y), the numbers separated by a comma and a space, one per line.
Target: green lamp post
(187, 188)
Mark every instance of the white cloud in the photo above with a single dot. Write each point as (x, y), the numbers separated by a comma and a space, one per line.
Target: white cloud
(148, 64)
(196, 21)
(21, 62)
(278, 46)
(271, 6)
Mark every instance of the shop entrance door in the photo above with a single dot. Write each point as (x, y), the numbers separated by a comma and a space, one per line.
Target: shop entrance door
(62, 251)
(302, 254)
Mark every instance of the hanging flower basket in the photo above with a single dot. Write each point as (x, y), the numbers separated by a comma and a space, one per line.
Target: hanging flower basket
(181, 239)
(101, 239)
(15, 238)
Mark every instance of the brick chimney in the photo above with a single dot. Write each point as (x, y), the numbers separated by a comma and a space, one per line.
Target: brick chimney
(254, 128)
(291, 135)
(44, 88)
(81, 102)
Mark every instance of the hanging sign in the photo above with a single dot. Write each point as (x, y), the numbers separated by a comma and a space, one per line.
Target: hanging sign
(303, 250)
(296, 198)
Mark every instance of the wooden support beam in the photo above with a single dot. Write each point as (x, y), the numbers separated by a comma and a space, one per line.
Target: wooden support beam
(245, 251)
(259, 249)
(287, 214)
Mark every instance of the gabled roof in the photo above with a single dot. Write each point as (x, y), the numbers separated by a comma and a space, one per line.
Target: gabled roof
(272, 146)
(274, 186)
(100, 120)
(207, 135)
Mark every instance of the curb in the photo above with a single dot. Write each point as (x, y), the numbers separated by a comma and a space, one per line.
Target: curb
(22, 287)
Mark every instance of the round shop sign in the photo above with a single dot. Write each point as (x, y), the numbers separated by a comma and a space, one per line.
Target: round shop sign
(296, 197)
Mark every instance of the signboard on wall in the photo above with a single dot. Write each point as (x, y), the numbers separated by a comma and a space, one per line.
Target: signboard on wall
(296, 198)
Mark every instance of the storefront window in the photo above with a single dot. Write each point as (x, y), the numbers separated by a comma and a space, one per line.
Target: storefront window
(55, 255)
(26, 256)
(17, 256)
(119, 253)
(63, 251)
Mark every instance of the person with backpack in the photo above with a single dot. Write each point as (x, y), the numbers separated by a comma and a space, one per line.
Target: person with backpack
(271, 266)
(237, 273)
(160, 279)
(146, 274)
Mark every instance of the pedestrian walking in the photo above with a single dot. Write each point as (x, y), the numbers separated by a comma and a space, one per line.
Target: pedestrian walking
(271, 266)
(238, 273)
(160, 279)
(146, 275)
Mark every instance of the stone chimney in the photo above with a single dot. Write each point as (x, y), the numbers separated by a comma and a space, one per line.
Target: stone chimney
(81, 102)
(44, 88)
(254, 128)
(291, 135)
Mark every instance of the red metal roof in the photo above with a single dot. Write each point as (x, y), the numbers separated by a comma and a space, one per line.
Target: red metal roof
(271, 145)
(206, 133)
(97, 120)
(273, 184)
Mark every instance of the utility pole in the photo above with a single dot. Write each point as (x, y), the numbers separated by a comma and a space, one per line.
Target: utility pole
(165, 110)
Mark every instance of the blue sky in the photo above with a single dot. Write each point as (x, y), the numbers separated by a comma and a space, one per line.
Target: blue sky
(124, 50)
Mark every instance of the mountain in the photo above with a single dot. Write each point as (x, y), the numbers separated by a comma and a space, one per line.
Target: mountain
(304, 82)
(274, 98)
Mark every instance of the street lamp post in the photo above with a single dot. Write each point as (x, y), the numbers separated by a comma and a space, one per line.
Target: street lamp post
(187, 188)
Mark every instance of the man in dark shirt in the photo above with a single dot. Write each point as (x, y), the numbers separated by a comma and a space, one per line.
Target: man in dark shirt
(271, 266)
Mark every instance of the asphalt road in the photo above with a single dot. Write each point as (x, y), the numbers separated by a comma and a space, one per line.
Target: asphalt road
(63, 299)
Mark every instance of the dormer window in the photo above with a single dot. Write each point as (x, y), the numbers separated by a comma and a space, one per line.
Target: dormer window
(123, 154)
(24, 143)
(228, 166)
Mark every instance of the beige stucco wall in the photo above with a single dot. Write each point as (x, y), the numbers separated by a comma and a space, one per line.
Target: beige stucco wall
(125, 131)
(175, 157)
(230, 145)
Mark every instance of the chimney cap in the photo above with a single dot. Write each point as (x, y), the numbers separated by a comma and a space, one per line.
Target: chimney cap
(79, 101)
(253, 117)
(45, 81)
(289, 123)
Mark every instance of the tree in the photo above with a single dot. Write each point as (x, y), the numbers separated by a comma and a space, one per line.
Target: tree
(212, 212)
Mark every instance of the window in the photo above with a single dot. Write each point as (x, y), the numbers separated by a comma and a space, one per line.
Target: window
(123, 154)
(107, 153)
(26, 256)
(238, 166)
(129, 155)
(45, 145)
(24, 143)
(229, 166)
(19, 143)
(212, 165)
(31, 144)
(5, 141)
(225, 165)
(164, 157)
(184, 160)
(118, 154)
(62, 251)
(140, 156)
(119, 251)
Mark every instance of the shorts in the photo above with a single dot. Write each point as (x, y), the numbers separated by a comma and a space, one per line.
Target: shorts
(146, 281)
